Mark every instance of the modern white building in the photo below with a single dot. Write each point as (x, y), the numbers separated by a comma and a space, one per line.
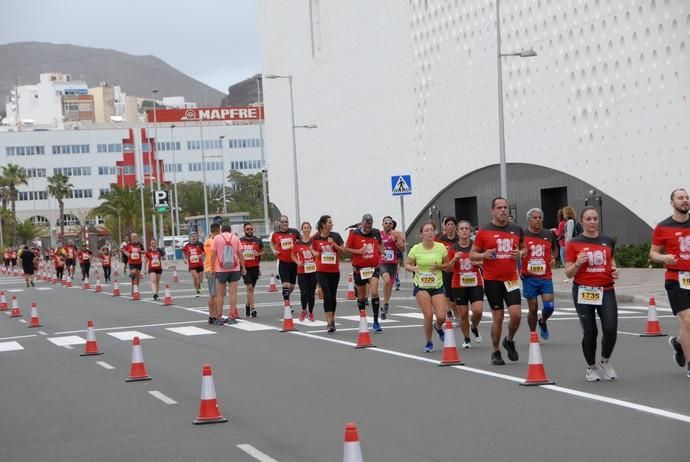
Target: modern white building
(600, 115)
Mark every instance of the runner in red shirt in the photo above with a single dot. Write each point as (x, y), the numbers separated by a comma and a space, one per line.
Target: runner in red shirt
(59, 263)
(448, 238)
(282, 241)
(673, 236)
(589, 259)
(70, 257)
(306, 272)
(85, 256)
(134, 251)
(393, 242)
(326, 246)
(105, 259)
(498, 245)
(252, 251)
(193, 253)
(154, 265)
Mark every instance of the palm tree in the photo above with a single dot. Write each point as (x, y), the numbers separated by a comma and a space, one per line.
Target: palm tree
(28, 231)
(13, 175)
(59, 187)
(121, 208)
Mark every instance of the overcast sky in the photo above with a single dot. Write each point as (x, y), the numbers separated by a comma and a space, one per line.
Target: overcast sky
(214, 41)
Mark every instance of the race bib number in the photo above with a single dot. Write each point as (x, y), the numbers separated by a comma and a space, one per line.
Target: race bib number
(85, 257)
(537, 267)
(248, 254)
(512, 285)
(310, 267)
(468, 280)
(590, 295)
(428, 280)
(328, 258)
(194, 259)
(286, 244)
(389, 255)
(684, 280)
(366, 273)
(155, 261)
(134, 255)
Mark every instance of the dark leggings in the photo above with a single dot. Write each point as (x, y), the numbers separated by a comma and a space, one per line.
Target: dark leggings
(608, 315)
(106, 273)
(59, 273)
(307, 290)
(329, 286)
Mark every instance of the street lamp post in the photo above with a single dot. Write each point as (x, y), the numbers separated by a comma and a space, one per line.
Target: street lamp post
(203, 169)
(259, 96)
(176, 232)
(156, 172)
(221, 138)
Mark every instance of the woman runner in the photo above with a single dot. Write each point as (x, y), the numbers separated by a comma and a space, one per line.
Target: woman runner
(154, 258)
(306, 271)
(326, 246)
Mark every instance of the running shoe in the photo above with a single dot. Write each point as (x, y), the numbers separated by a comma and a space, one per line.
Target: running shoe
(377, 327)
(229, 321)
(253, 313)
(331, 327)
(496, 359)
(198, 292)
(312, 318)
(477, 335)
(607, 371)
(678, 354)
(303, 315)
(510, 348)
(543, 330)
(32, 283)
(689, 371)
(221, 321)
(211, 320)
(467, 343)
(384, 311)
(591, 375)
(155, 296)
(429, 347)
(247, 310)
(441, 334)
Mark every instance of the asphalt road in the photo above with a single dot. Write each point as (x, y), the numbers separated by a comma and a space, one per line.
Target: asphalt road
(289, 395)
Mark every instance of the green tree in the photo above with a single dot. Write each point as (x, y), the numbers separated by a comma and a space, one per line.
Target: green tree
(60, 188)
(27, 231)
(191, 197)
(121, 209)
(246, 195)
(13, 175)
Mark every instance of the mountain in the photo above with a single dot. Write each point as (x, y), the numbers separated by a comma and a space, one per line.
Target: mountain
(136, 75)
(243, 93)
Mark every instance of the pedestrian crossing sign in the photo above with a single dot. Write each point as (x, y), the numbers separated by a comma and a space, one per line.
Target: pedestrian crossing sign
(401, 185)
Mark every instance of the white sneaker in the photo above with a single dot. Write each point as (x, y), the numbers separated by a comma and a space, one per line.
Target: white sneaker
(591, 374)
(607, 371)
(466, 344)
(477, 336)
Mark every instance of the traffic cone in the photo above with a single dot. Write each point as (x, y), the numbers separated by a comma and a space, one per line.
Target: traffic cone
(653, 328)
(137, 372)
(135, 292)
(91, 348)
(536, 374)
(98, 284)
(450, 356)
(53, 278)
(209, 411)
(116, 274)
(352, 451)
(175, 279)
(16, 311)
(68, 281)
(116, 289)
(350, 288)
(167, 300)
(364, 339)
(3, 301)
(288, 324)
(35, 322)
(86, 284)
(272, 284)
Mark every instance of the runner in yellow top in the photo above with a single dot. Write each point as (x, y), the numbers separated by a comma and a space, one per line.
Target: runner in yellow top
(427, 260)
(214, 315)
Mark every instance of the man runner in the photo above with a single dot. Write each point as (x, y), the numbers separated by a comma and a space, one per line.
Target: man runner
(193, 253)
(252, 250)
(393, 242)
(281, 245)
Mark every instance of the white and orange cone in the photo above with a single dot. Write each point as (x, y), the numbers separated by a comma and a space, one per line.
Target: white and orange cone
(68, 281)
(35, 321)
(175, 278)
(3, 301)
(91, 347)
(653, 328)
(352, 450)
(53, 278)
(364, 339)
(137, 371)
(272, 284)
(536, 374)
(450, 356)
(16, 311)
(135, 292)
(288, 323)
(350, 288)
(86, 284)
(98, 287)
(209, 411)
(167, 300)
(116, 288)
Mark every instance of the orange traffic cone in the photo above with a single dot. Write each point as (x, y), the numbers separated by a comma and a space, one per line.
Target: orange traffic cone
(68, 281)
(135, 292)
(175, 279)
(116, 289)
(98, 284)
(167, 300)
(35, 322)
(3, 301)
(450, 356)
(352, 451)
(209, 411)
(91, 348)
(536, 374)
(116, 274)
(653, 328)
(86, 284)
(364, 339)
(137, 372)
(16, 312)
(272, 284)
(350, 288)
(288, 324)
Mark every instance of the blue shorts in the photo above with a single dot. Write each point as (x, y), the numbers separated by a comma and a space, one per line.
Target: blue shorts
(533, 287)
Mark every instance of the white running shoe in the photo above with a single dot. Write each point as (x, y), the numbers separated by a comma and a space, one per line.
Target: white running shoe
(607, 371)
(591, 374)
(477, 335)
(466, 344)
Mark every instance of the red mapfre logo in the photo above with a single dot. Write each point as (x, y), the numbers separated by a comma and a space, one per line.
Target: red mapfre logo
(211, 114)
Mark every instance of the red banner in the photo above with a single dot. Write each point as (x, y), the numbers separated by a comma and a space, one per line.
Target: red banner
(210, 114)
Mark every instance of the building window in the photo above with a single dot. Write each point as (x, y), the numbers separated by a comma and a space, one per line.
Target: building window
(24, 150)
(103, 192)
(69, 219)
(36, 172)
(107, 170)
(38, 220)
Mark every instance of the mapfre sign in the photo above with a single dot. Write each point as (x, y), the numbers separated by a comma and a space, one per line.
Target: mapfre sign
(210, 114)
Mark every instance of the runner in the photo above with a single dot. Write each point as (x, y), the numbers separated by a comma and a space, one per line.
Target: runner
(123, 255)
(215, 316)
(70, 256)
(427, 260)
(28, 258)
(393, 242)
(13, 258)
(154, 266)
(227, 265)
(537, 261)
(306, 272)
(253, 251)
(134, 251)
(6, 258)
(364, 243)
(84, 255)
(105, 259)
(326, 246)
(193, 253)
(589, 260)
(281, 245)
(59, 263)
(497, 245)
(467, 284)
(448, 238)
(673, 236)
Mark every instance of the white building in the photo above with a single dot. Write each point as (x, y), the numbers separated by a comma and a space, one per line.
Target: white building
(411, 87)
(177, 102)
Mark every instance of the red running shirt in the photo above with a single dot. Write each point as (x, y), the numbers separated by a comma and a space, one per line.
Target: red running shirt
(539, 250)
(504, 239)
(251, 247)
(194, 254)
(370, 243)
(135, 252)
(464, 267)
(328, 260)
(84, 256)
(283, 241)
(597, 270)
(105, 260)
(674, 237)
(154, 258)
(303, 252)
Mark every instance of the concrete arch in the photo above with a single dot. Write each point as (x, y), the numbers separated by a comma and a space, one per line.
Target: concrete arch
(70, 220)
(40, 220)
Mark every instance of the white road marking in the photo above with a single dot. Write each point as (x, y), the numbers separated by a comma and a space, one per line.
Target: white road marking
(22, 321)
(68, 347)
(370, 319)
(408, 315)
(67, 341)
(42, 333)
(132, 327)
(18, 336)
(190, 330)
(15, 290)
(255, 453)
(10, 346)
(250, 326)
(105, 365)
(162, 397)
(44, 288)
(128, 335)
(315, 323)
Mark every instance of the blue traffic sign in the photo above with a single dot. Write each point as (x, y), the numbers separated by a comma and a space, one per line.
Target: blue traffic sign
(401, 185)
